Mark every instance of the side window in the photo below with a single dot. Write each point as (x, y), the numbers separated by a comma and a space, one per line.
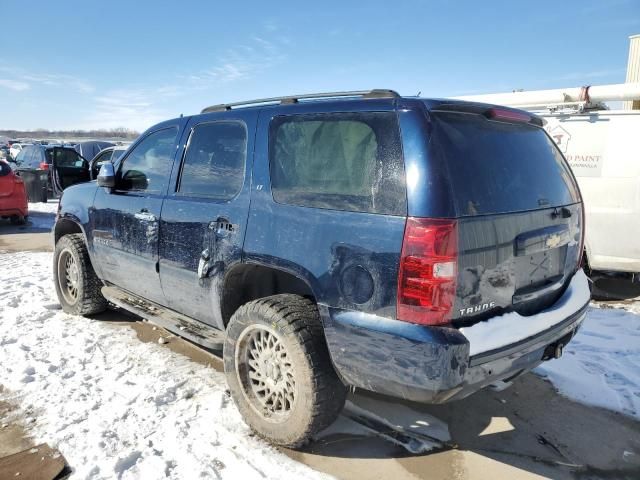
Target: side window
(214, 162)
(148, 165)
(65, 157)
(104, 157)
(340, 161)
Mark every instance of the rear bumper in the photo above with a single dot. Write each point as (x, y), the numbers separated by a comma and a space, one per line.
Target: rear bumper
(428, 364)
(13, 205)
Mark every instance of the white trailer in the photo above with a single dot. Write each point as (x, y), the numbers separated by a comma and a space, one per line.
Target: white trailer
(603, 148)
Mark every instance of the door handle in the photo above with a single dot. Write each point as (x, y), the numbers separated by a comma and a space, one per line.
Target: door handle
(223, 227)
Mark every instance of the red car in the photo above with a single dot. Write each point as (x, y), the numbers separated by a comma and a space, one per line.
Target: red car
(13, 196)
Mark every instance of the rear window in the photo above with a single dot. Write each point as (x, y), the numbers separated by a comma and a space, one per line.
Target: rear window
(340, 161)
(498, 167)
(29, 157)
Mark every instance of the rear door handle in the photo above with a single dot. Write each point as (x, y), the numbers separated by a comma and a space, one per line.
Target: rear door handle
(223, 227)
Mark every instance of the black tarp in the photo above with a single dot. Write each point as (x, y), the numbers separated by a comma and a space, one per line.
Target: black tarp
(90, 149)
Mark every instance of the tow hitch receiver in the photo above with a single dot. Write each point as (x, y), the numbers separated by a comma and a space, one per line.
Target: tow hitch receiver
(554, 350)
(558, 350)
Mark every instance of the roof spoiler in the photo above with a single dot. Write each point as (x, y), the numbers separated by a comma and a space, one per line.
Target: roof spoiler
(497, 113)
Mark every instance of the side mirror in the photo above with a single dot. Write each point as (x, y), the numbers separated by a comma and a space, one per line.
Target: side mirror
(107, 176)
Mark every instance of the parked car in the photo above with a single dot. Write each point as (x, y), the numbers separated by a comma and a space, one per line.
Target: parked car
(108, 155)
(43, 181)
(13, 196)
(417, 248)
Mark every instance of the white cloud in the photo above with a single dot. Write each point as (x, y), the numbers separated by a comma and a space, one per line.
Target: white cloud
(139, 106)
(49, 79)
(240, 63)
(136, 108)
(15, 85)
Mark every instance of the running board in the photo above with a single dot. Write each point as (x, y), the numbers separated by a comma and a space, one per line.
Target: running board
(175, 322)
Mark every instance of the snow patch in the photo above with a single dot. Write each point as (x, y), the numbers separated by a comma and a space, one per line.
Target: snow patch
(114, 406)
(39, 207)
(600, 365)
(512, 327)
(42, 216)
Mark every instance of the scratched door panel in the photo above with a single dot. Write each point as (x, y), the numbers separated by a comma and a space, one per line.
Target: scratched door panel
(204, 219)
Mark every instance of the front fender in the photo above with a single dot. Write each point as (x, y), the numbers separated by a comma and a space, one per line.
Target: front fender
(74, 216)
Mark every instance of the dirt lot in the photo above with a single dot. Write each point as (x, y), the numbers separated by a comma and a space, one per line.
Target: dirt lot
(526, 431)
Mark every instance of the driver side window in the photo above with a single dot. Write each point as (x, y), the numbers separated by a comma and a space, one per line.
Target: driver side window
(148, 166)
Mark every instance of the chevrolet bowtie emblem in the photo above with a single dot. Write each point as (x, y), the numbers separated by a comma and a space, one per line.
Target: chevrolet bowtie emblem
(552, 241)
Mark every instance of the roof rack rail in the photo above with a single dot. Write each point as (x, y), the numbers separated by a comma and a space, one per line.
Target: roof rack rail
(375, 93)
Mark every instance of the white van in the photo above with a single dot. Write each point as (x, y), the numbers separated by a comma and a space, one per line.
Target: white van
(603, 149)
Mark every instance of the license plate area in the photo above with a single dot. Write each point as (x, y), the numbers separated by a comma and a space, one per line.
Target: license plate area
(539, 269)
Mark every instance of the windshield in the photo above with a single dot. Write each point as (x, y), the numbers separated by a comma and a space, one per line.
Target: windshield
(498, 167)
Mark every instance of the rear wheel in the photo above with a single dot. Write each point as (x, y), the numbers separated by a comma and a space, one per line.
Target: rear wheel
(18, 220)
(279, 371)
(77, 285)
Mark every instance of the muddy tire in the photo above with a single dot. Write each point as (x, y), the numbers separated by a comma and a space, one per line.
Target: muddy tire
(279, 371)
(77, 285)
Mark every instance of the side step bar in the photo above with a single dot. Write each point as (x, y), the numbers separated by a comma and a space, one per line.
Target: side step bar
(175, 322)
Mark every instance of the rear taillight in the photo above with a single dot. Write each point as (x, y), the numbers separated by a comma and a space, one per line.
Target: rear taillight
(44, 166)
(428, 271)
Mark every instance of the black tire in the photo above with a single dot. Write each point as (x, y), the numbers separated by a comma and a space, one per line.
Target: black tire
(18, 220)
(77, 285)
(318, 393)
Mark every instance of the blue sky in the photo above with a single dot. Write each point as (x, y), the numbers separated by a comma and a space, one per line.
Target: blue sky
(89, 64)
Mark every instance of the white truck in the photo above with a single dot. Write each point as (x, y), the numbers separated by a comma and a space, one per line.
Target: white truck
(603, 148)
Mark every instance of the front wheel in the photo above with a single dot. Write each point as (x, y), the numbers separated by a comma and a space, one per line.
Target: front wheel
(278, 369)
(77, 285)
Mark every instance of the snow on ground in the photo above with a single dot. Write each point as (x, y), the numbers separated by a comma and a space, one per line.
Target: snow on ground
(114, 406)
(42, 215)
(600, 366)
(50, 207)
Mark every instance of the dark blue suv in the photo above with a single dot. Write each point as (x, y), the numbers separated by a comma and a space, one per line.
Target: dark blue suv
(417, 248)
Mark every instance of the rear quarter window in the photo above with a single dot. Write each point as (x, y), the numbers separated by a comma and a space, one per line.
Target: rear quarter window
(499, 167)
(340, 161)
